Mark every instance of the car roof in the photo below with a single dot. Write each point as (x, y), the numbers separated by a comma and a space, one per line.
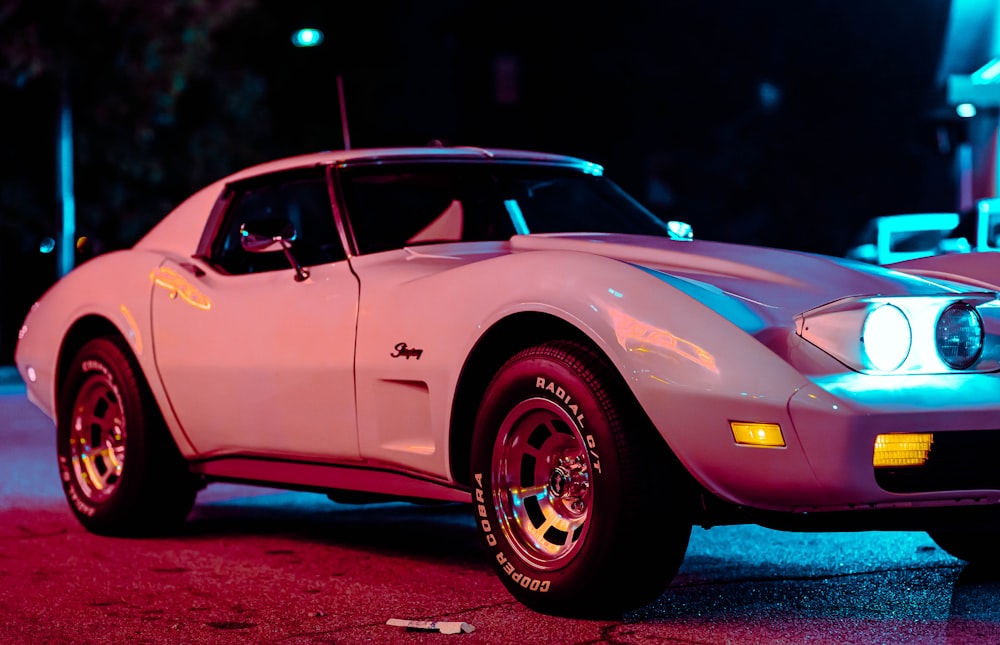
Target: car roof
(181, 229)
(333, 157)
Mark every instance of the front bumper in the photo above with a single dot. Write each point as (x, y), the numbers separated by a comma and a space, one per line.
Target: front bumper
(837, 419)
(830, 425)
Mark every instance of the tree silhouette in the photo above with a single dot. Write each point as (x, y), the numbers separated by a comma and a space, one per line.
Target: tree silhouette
(155, 116)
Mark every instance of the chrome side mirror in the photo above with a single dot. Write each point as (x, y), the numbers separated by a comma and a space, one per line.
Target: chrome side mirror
(272, 234)
(265, 235)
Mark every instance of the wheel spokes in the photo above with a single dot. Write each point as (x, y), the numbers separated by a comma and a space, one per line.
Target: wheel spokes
(545, 525)
(543, 476)
(97, 439)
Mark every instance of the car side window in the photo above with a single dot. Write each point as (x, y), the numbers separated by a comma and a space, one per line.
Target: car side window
(302, 200)
(406, 205)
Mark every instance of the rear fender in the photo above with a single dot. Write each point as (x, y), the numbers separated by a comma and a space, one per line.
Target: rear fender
(114, 288)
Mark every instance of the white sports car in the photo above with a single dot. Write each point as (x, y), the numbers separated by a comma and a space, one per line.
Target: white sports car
(511, 330)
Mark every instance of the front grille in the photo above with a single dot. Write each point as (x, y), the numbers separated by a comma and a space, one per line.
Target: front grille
(964, 460)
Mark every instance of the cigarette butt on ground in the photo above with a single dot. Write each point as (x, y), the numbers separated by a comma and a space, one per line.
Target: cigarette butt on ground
(432, 625)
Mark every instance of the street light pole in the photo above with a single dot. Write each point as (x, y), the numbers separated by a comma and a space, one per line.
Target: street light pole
(66, 247)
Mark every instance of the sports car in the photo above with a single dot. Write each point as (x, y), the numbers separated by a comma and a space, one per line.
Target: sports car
(512, 331)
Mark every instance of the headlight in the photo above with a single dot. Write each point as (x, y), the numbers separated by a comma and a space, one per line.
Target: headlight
(886, 337)
(932, 334)
(959, 335)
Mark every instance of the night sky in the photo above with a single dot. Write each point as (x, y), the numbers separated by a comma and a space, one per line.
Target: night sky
(748, 119)
(774, 122)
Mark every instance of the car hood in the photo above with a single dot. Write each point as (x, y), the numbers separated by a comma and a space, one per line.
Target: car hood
(778, 280)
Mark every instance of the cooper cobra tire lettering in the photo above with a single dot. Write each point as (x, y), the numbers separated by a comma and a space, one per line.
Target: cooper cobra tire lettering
(566, 484)
(527, 582)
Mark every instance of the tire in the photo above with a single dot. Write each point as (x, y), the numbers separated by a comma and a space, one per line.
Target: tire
(121, 471)
(976, 548)
(577, 513)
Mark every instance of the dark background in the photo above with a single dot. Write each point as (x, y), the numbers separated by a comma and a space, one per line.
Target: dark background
(783, 123)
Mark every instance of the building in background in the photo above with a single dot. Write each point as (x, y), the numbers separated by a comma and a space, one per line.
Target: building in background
(970, 72)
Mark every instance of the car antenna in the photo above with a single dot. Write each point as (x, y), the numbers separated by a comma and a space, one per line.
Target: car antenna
(343, 112)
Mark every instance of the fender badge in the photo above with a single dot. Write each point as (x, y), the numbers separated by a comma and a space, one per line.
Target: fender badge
(402, 351)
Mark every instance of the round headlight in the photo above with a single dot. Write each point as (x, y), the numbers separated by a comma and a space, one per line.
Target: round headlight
(959, 335)
(886, 337)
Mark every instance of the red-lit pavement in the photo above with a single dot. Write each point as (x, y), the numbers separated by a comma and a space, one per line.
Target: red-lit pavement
(260, 566)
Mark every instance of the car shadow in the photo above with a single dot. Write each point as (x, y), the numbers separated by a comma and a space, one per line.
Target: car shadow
(439, 531)
(957, 599)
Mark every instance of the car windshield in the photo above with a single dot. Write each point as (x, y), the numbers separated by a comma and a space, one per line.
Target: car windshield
(556, 200)
(390, 206)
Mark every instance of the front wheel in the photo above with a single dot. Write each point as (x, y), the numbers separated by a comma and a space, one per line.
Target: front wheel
(576, 512)
(120, 469)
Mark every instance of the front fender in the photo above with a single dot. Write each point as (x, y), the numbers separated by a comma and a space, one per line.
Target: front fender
(695, 362)
(690, 368)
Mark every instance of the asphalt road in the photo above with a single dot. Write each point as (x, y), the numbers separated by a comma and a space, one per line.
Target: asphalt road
(262, 566)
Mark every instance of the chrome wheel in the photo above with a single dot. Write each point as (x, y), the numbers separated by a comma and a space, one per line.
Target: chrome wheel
(108, 422)
(542, 477)
(569, 482)
(97, 438)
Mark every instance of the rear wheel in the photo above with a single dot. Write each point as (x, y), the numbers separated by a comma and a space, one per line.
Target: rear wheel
(576, 512)
(120, 469)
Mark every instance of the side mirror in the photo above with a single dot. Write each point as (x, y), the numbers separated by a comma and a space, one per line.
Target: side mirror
(266, 235)
(272, 234)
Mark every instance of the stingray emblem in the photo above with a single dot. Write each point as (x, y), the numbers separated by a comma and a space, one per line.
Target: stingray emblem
(402, 351)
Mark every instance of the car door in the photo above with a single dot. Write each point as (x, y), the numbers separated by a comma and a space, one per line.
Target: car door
(397, 211)
(255, 359)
